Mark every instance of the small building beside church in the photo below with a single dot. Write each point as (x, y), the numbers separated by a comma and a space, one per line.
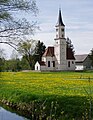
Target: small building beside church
(83, 62)
(58, 57)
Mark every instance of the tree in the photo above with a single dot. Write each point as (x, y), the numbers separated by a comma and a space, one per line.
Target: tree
(91, 57)
(70, 45)
(39, 51)
(2, 60)
(32, 51)
(13, 29)
(24, 64)
(2, 53)
(27, 50)
(13, 65)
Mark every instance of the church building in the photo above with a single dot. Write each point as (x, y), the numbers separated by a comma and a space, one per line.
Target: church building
(59, 57)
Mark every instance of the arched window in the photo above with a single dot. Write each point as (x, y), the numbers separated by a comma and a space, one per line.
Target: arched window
(53, 63)
(68, 63)
(48, 63)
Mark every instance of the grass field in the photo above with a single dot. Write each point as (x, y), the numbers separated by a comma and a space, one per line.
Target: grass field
(54, 95)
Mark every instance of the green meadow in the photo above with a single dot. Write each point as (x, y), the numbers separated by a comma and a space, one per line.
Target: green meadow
(49, 95)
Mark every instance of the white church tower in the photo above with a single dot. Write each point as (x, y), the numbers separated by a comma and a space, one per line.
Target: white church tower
(60, 45)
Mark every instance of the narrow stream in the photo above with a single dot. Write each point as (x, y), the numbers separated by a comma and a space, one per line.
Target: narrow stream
(7, 115)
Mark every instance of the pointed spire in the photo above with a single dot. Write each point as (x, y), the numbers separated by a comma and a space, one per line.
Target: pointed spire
(60, 22)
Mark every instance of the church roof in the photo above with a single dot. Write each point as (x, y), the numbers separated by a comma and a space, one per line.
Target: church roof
(81, 58)
(70, 55)
(49, 52)
(42, 63)
(60, 22)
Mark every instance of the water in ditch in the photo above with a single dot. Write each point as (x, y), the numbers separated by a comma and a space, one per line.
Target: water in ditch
(8, 115)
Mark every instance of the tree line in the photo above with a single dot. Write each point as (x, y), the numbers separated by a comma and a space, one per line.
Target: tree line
(30, 50)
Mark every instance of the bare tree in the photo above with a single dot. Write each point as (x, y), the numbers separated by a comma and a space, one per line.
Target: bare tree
(2, 53)
(12, 29)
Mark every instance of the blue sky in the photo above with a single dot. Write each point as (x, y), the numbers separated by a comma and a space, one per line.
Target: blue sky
(78, 19)
(77, 16)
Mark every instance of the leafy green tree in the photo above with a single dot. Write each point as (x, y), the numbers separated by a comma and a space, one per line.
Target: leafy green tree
(91, 57)
(2, 62)
(70, 45)
(18, 66)
(13, 29)
(27, 50)
(13, 65)
(24, 64)
(39, 51)
(2, 59)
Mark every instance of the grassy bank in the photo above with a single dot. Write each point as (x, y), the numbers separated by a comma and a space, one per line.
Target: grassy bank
(62, 95)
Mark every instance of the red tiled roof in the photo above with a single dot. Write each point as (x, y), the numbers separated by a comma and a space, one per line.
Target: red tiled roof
(42, 63)
(49, 52)
(70, 54)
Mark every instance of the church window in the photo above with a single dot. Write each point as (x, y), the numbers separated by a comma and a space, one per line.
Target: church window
(62, 30)
(72, 62)
(48, 63)
(62, 35)
(68, 63)
(53, 63)
(56, 30)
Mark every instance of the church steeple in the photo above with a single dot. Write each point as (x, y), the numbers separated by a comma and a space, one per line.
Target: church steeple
(60, 22)
(60, 44)
(60, 27)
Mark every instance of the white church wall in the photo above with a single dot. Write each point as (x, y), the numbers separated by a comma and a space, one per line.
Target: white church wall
(60, 54)
(37, 66)
(71, 65)
(44, 59)
(43, 68)
(50, 59)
